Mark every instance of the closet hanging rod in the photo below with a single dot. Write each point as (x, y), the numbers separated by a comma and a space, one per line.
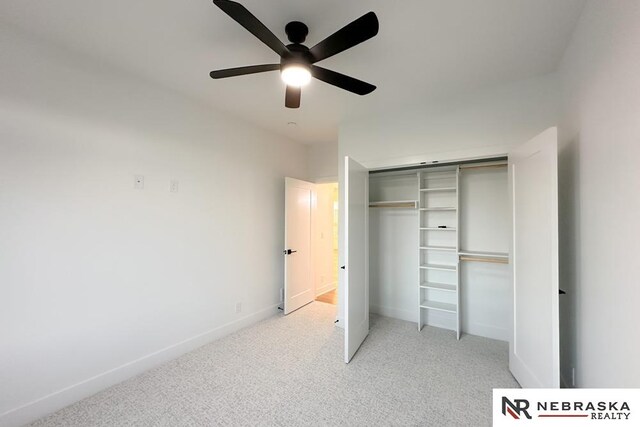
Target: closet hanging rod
(483, 259)
(497, 165)
(402, 174)
(412, 204)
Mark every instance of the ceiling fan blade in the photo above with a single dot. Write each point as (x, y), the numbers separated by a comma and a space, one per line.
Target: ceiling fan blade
(243, 17)
(241, 71)
(354, 33)
(292, 97)
(342, 81)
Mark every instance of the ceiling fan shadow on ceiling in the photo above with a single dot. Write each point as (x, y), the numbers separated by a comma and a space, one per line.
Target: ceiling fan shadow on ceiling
(296, 60)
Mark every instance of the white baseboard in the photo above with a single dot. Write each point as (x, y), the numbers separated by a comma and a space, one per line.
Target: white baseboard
(59, 399)
(487, 331)
(442, 320)
(396, 313)
(326, 288)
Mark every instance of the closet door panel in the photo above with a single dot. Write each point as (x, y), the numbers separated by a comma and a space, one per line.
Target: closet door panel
(534, 356)
(356, 247)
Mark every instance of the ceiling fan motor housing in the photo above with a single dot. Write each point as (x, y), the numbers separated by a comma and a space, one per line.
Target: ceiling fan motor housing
(296, 32)
(298, 55)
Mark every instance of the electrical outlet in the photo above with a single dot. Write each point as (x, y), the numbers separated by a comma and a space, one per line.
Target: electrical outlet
(174, 185)
(238, 307)
(281, 294)
(138, 182)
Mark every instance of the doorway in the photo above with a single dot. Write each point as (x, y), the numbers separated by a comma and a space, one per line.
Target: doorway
(311, 244)
(324, 258)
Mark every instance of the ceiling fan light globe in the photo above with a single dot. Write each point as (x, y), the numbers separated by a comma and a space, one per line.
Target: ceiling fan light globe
(296, 75)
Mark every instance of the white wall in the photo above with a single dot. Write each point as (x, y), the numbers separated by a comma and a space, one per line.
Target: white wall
(100, 281)
(600, 197)
(486, 123)
(485, 226)
(323, 162)
(393, 240)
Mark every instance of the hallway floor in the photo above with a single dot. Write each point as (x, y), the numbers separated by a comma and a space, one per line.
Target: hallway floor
(330, 297)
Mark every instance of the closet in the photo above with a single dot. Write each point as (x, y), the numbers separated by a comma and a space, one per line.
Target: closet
(438, 247)
(467, 245)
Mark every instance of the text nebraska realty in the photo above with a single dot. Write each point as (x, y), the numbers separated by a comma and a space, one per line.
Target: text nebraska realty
(598, 410)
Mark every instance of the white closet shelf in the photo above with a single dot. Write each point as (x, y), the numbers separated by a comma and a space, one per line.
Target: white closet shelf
(438, 189)
(436, 255)
(441, 306)
(413, 204)
(501, 255)
(438, 267)
(438, 248)
(439, 286)
(438, 229)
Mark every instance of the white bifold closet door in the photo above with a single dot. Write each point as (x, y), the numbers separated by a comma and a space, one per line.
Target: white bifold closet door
(355, 208)
(534, 355)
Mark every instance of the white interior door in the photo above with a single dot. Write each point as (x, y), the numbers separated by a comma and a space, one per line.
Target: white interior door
(356, 258)
(298, 284)
(534, 355)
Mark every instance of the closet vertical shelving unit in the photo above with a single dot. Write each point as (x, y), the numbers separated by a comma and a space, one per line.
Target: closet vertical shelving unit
(439, 246)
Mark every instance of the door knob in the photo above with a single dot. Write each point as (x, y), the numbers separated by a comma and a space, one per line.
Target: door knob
(289, 252)
(343, 267)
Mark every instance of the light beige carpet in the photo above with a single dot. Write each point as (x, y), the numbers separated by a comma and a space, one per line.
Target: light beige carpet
(289, 371)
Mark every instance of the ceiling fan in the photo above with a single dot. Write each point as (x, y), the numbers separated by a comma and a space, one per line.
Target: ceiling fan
(296, 60)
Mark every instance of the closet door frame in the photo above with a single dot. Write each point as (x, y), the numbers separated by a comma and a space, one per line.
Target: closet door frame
(480, 155)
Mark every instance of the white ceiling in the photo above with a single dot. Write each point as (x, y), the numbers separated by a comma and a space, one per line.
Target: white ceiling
(425, 50)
